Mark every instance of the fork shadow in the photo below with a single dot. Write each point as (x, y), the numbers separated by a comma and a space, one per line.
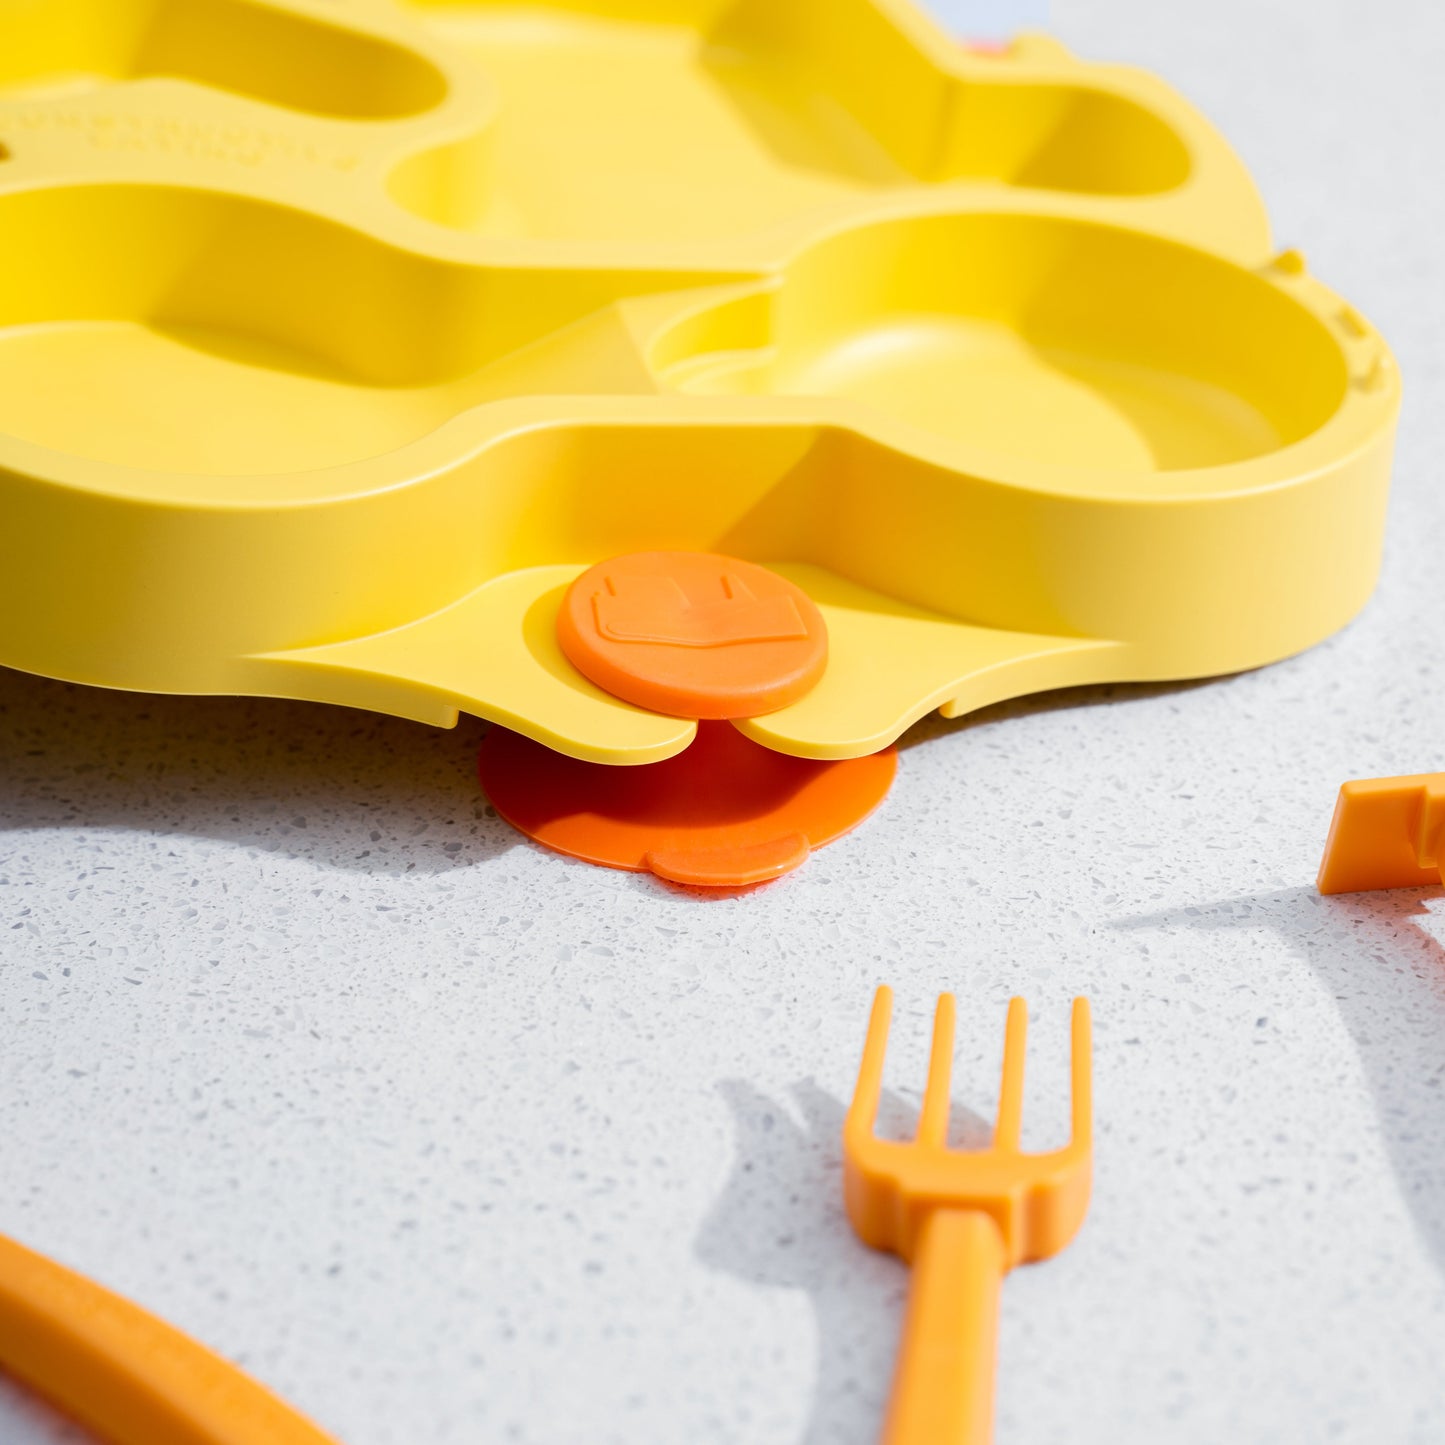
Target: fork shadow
(780, 1223)
(1387, 977)
(353, 790)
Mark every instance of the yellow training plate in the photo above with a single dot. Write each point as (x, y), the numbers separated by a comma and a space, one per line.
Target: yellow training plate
(337, 337)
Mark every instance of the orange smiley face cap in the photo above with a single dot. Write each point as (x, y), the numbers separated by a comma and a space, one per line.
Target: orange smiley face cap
(693, 634)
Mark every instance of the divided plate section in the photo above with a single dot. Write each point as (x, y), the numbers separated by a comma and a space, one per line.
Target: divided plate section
(1036, 338)
(645, 120)
(699, 134)
(163, 329)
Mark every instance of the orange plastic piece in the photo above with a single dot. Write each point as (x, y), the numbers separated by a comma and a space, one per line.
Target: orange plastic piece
(693, 634)
(727, 812)
(1386, 833)
(962, 1219)
(127, 1376)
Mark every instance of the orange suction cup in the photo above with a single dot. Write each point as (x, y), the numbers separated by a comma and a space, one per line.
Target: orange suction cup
(693, 634)
(725, 813)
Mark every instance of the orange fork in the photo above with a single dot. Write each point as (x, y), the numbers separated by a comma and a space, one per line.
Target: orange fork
(962, 1220)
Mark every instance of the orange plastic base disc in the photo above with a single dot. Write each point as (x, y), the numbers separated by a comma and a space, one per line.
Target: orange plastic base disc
(726, 813)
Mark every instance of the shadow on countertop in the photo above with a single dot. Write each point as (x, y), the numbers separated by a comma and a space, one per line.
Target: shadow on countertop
(1379, 965)
(352, 790)
(1063, 699)
(779, 1223)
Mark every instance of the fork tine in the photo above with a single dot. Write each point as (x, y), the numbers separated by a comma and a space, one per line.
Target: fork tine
(869, 1088)
(1008, 1130)
(1083, 1080)
(933, 1116)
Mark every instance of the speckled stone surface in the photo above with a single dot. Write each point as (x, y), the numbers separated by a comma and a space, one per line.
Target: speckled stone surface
(450, 1140)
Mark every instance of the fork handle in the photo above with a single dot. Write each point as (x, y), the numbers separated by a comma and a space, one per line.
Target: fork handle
(943, 1382)
(128, 1376)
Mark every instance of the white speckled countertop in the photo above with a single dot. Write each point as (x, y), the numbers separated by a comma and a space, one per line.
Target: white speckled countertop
(450, 1140)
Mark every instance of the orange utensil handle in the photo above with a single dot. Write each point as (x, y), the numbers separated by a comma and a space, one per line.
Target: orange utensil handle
(126, 1375)
(943, 1383)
